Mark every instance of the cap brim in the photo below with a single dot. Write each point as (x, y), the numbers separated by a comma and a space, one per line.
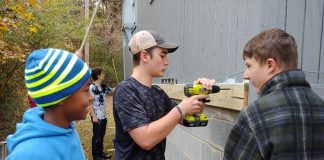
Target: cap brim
(169, 45)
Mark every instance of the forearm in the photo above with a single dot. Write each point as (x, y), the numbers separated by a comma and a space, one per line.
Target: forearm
(150, 135)
(92, 113)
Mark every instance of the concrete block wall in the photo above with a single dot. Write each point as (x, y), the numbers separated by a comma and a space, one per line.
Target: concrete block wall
(202, 143)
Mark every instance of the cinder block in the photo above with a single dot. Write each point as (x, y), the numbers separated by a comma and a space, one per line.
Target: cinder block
(215, 133)
(190, 147)
(172, 152)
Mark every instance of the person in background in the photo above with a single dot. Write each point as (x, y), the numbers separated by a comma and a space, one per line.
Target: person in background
(31, 102)
(98, 113)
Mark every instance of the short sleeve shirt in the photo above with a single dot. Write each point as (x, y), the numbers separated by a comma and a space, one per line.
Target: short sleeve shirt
(136, 105)
(99, 99)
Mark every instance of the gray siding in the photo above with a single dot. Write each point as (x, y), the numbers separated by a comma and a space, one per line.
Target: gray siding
(215, 30)
(129, 24)
(212, 34)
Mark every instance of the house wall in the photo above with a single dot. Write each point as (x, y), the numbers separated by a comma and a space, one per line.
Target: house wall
(212, 34)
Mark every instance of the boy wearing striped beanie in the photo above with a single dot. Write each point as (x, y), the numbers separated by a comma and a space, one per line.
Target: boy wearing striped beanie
(58, 81)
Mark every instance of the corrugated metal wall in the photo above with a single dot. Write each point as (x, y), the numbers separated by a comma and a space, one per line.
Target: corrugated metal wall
(211, 34)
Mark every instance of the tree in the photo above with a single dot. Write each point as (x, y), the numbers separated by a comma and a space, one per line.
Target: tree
(26, 25)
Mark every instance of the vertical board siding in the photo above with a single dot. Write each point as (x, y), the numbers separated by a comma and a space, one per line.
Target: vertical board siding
(210, 44)
(295, 23)
(212, 33)
(174, 14)
(312, 39)
(129, 17)
(321, 78)
(321, 63)
(273, 13)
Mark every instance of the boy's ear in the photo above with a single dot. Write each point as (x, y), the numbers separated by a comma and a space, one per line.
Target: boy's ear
(144, 56)
(61, 103)
(272, 65)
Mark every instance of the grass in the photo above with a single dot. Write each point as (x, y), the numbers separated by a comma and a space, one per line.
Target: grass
(84, 129)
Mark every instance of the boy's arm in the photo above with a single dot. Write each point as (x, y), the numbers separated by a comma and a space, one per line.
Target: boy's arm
(79, 53)
(109, 90)
(149, 135)
(134, 120)
(94, 118)
(93, 115)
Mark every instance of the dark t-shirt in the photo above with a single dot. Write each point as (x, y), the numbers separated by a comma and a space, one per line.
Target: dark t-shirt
(136, 105)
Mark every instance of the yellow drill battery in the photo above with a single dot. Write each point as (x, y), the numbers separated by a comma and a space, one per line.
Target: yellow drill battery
(197, 120)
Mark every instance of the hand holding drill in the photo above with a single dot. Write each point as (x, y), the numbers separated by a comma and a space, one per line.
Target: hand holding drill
(190, 90)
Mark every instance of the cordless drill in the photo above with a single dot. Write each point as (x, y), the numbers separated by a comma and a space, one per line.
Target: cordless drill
(201, 119)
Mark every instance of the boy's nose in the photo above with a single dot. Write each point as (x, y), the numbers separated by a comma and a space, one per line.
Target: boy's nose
(90, 97)
(246, 75)
(166, 61)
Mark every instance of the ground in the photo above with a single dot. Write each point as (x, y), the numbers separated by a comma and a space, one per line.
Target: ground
(85, 131)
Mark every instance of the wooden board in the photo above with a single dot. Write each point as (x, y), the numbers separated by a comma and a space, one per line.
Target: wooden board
(235, 98)
(3, 150)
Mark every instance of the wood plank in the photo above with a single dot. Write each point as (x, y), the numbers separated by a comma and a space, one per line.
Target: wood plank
(173, 28)
(3, 150)
(321, 63)
(241, 38)
(319, 90)
(224, 53)
(217, 57)
(235, 98)
(209, 48)
(312, 36)
(321, 78)
(274, 14)
(189, 42)
(311, 77)
(295, 23)
(253, 18)
(232, 37)
(128, 68)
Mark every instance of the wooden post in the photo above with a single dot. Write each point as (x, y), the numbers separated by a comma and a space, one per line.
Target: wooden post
(113, 62)
(3, 150)
(86, 47)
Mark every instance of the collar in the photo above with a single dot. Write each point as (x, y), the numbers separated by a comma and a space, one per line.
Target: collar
(286, 79)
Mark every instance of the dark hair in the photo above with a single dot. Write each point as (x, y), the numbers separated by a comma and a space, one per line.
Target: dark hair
(95, 72)
(273, 43)
(137, 56)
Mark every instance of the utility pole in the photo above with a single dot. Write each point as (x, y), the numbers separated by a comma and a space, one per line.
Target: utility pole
(86, 47)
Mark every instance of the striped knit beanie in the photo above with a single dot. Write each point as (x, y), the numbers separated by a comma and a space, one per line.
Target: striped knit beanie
(52, 75)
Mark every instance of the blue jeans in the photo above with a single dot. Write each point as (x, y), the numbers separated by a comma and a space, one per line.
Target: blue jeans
(99, 131)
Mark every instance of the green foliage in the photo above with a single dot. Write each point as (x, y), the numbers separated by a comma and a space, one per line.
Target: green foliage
(106, 42)
(26, 25)
(54, 23)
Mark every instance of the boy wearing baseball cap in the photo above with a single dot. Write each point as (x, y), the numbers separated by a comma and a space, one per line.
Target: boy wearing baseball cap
(144, 114)
(58, 81)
